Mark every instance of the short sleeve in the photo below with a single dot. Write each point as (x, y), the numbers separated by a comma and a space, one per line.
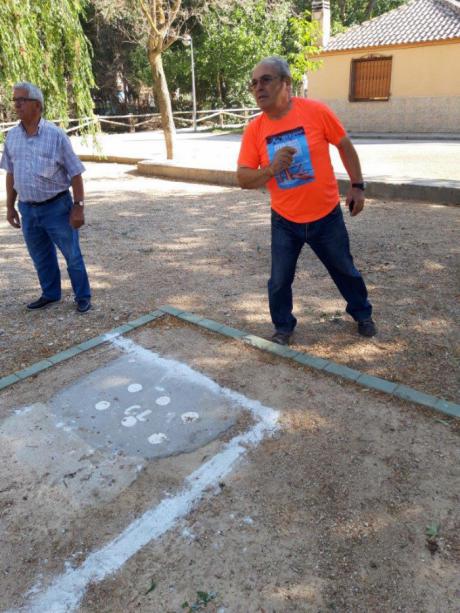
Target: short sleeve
(68, 159)
(6, 162)
(249, 155)
(333, 128)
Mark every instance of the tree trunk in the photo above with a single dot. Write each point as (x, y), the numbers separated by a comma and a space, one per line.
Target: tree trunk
(219, 90)
(370, 8)
(164, 101)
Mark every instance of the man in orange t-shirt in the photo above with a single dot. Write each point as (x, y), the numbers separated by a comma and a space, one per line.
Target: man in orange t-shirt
(287, 148)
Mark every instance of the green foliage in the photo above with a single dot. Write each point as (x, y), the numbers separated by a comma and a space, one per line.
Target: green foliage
(345, 13)
(177, 66)
(299, 45)
(201, 603)
(234, 41)
(153, 585)
(230, 40)
(432, 531)
(42, 41)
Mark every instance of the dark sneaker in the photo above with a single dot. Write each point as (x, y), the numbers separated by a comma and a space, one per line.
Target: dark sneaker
(281, 338)
(83, 305)
(366, 327)
(41, 303)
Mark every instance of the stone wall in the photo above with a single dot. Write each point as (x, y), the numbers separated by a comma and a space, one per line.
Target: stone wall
(409, 115)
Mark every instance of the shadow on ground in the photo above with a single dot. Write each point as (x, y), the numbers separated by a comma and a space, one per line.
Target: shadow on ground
(206, 249)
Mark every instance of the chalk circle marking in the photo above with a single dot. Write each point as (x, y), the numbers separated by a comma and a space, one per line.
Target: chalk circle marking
(103, 405)
(129, 421)
(163, 400)
(134, 387)
(129, 409)
(189, 417)
(157, 438)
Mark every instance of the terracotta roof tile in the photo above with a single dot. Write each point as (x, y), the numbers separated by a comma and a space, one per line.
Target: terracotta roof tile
(412, 22)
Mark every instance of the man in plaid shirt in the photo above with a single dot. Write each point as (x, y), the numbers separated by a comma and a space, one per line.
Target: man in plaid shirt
(40, 167)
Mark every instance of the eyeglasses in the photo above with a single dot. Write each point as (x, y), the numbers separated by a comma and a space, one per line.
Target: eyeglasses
(22, 100)
(265, 79)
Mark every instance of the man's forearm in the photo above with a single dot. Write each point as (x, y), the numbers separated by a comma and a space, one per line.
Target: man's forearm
(350, 160)
(11, 193)
(252, 178)
(77, 188)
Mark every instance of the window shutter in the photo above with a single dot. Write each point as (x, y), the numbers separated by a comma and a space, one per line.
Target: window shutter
(370, 79)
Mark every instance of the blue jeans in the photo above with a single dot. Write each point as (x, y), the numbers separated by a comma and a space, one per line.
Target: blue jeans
(328, 237)
(46, 227)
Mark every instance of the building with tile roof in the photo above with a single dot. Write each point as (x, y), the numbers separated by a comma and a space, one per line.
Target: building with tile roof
(399, 72)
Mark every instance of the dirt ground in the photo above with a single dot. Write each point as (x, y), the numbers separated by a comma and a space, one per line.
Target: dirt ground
(331, 513)
(206, 249)
(328, 514)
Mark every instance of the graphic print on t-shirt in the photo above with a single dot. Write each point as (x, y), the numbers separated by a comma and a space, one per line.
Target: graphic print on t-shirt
(301, 170)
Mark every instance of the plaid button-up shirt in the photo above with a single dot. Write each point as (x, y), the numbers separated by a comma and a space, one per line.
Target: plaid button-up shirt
(43, 164)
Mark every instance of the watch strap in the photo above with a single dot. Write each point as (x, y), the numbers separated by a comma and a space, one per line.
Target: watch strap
(361, 186)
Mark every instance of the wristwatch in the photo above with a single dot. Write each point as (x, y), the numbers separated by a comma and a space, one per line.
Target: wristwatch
(79, 202)
(361, 186)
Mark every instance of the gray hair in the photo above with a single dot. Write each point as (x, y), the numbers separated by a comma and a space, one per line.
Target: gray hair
(279, 64)
(33, 92)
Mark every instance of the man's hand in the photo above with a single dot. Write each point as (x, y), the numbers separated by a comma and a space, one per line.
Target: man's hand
(12, 217)
(283, 159)
(77, 216)
(253, 178)
(357, 196)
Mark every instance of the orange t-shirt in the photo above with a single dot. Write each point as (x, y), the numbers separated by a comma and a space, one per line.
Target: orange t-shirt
(308, 190)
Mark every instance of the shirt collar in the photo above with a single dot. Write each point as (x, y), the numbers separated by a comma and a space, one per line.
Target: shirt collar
(40, 125)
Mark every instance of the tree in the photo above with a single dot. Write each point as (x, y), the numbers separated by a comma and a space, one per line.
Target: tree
(164, 28)
(301, 49)
(230, 40)
(42, 41)
(157, 24)
(233, 40)
(229, 36)
(346, 13)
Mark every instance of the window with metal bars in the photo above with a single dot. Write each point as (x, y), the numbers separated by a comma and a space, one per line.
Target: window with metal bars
(370, 79)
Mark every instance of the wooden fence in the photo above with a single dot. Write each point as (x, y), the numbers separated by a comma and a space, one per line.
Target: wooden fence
(220, 118)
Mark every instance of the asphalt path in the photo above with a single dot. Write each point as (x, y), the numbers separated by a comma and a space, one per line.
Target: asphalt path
(434, 162)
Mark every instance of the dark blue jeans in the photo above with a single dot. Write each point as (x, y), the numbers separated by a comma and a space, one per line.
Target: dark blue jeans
(46, 227)
(328, 237)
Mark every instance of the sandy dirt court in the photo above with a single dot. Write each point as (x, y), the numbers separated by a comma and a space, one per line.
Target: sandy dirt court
(350, 504)
(329, 513)
(206, 249)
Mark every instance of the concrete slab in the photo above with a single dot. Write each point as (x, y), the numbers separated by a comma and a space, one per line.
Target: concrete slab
(49, 449)
(143, 406)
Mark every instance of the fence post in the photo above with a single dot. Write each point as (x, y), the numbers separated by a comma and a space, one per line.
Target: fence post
(221, 118)
(132, 123)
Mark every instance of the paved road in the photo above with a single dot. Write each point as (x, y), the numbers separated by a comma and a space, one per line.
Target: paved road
(420, 170)
(429, 162)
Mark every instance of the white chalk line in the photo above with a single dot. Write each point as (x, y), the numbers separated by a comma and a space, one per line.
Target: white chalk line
(67, 590)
